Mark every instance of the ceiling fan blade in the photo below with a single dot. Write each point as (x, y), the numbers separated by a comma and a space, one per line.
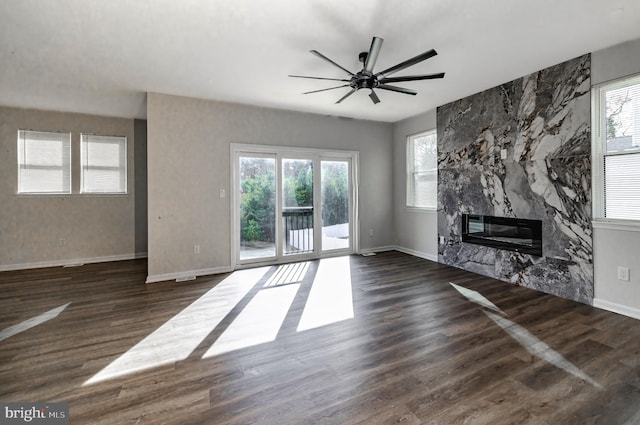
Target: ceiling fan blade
(320, 78)
(330, 88)
(411, 78)
(320, 55)
(372, 56)
(397, 89)
(409, 62)
(374, 97)
(347, 95)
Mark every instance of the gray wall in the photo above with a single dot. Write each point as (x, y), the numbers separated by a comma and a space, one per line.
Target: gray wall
(616, 245)
(416, 230)
(140, 184)
(188, 154)
(542, 123)
(94, 227)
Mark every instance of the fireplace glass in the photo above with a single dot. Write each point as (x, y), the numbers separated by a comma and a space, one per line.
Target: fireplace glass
(513, 234)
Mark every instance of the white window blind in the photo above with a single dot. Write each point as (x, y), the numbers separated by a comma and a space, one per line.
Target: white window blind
(44, 162)
(622, 186)
(422, 170)
(103, 164)
(617, 150)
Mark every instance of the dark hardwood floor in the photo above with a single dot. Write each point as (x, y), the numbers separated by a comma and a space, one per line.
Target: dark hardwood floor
(413, 349)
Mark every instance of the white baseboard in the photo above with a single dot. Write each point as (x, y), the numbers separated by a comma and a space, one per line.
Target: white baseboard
(377, 249)
(415, 253)
(617, 308)
(187, 275)
(72, 261)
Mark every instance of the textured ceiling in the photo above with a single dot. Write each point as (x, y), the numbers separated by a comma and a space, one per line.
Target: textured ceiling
(102, 56)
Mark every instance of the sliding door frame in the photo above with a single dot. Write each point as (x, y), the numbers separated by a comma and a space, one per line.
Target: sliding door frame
(279, 152)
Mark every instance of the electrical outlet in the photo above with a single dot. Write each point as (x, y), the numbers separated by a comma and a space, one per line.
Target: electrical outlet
(61, 242)
(196, 249)
(222, 193)
(503, 154)
(441, 240)
(370, 233)
(623, 273)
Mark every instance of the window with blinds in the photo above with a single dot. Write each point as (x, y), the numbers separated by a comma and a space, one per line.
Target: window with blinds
(44, 162)
(422, 170)
(103, 164)
(617, 149)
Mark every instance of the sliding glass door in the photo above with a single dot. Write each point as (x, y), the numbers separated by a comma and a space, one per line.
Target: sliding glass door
(335, 204)
(297, 206)
(292, 204)
(257, 206)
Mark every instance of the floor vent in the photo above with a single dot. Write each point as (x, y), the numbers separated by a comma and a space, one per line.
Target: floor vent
(185, 278)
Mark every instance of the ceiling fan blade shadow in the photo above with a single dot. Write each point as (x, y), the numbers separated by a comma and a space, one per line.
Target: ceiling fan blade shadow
(320, 55)
(409, 62)
(320, 78)
(374, 97)
(411, 78)
(330, 88)
(347, 95)
(372, 56)
(397, 89)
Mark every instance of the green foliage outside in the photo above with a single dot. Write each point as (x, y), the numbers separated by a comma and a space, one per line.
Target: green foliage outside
(257, 200)
(298, 184)
(258, 197)
(335, 193)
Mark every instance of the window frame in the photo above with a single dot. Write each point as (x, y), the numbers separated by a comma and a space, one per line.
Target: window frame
(599, 150)
(84, 166)
(21, 166)
(411, 172)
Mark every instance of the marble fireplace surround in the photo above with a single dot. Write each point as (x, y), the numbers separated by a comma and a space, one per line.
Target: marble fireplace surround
(523, 150)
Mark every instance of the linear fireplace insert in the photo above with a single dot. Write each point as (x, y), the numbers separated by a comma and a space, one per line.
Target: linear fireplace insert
(513, 234)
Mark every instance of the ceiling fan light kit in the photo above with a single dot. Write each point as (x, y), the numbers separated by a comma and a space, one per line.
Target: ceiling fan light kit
(367, 79)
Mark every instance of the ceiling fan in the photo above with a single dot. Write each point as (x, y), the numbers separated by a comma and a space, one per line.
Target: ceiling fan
(367, 79)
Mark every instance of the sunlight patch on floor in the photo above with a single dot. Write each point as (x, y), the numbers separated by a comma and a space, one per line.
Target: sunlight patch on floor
(259, 321)
(288, 273)
(538, 348)
(330, 299)
(177, 338)
(32, 322)
(530, 342)
(476, 297)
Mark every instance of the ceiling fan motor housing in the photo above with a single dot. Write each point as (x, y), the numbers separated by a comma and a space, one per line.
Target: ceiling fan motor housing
(364, 80)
